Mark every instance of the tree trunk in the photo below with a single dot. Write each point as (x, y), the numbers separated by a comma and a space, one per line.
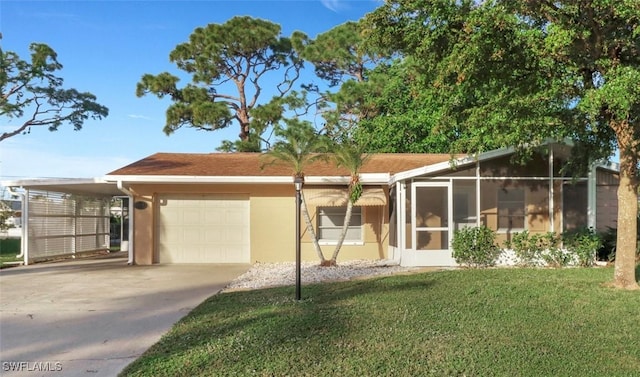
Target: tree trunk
(343, 234)
(311, 230)
(244, 131)
(626, 243)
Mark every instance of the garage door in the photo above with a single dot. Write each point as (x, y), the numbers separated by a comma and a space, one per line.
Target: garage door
(204, 229)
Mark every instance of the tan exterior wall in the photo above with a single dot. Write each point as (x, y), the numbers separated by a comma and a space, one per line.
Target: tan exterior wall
(272, 223)
(557, 207)
(272, 228)
(575, 205)
(375, 227)
(536, 203)
(489, 204)
(143, 234)
(606, 199)
(606, 207)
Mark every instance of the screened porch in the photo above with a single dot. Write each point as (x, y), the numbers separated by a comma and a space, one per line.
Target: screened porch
(428, 205)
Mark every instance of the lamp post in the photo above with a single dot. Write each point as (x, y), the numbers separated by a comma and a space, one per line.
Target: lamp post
(298, 184)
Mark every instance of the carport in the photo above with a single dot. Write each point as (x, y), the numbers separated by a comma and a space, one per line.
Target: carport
(64, 217)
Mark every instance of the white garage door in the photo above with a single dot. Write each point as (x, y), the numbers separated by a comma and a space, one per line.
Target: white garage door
(204, 229)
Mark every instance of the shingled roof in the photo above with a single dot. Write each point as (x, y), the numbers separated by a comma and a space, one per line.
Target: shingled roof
(256, 164)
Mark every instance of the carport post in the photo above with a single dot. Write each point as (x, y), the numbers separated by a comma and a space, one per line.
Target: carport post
(298, 183)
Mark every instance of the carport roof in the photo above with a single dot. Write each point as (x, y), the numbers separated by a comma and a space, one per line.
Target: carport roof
(79, 186)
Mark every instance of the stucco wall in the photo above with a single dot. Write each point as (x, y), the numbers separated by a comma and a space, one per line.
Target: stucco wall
(143, 235)
(375, 228)
(606, 199)
(536, 202)
(272, 224)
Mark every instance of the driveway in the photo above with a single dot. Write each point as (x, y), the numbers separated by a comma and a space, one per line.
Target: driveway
(94, 317)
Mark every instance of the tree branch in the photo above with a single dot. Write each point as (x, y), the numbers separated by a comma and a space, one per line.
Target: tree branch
(13, 90)
(20, 130)
(226, 96)
(24, 126)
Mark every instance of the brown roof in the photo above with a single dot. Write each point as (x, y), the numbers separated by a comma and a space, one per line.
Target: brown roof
(256, 164)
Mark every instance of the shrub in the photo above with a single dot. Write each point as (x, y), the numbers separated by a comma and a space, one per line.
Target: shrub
(10, 246)
(475, 247)
(583, 243)
(607, 251)
(557, 257)
(553, 255)
(536, 249)
(525, 247)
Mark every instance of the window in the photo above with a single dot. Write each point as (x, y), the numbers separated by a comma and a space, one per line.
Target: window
(331, 220)
(511, 211)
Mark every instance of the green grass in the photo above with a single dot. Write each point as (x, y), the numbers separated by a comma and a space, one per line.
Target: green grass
(494, 322)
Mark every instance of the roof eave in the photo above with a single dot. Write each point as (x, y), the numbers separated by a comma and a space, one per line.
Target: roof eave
(366, 178)
(608, 165)
(447, 165)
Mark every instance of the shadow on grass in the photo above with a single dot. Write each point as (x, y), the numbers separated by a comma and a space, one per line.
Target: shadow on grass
(240, 332)
(467, 322)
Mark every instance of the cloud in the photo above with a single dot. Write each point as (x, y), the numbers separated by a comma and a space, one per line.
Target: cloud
(56, 15)
(136, 116)
(333, 5)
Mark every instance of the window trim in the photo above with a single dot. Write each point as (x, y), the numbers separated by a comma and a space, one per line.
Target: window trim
(341, 211)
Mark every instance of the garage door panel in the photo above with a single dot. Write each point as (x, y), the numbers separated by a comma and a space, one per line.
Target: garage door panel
(234, 237)
(234, 217)
(214, 235)
(188, 235)
(213, 218)
(191, 216)
(204, 229)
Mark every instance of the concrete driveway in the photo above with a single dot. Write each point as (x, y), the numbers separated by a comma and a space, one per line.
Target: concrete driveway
(94, 317)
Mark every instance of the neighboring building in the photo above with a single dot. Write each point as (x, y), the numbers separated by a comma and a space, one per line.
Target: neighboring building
(12, 210)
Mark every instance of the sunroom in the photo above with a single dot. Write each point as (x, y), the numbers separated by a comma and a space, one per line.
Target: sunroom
(428, 204)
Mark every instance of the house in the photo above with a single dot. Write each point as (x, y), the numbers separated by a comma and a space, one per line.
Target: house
(235, 208)
(238, 208)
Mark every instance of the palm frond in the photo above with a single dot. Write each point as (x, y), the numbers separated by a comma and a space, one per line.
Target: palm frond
(299, 147)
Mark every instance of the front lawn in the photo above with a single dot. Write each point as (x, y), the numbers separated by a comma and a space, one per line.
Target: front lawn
(494, 322)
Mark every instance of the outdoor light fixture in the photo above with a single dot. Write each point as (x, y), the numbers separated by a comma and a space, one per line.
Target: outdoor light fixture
(297, 181)
(140, 205)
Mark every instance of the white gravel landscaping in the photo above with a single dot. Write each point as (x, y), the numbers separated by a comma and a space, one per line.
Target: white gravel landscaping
(263, 275)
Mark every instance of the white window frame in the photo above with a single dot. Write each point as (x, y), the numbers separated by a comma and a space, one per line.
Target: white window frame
(340, 211)
(514, 203)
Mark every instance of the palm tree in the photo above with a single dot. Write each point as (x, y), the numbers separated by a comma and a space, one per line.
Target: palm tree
(300, 145)
(349, 156)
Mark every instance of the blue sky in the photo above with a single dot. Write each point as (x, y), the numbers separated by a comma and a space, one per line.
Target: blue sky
(105, 47)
